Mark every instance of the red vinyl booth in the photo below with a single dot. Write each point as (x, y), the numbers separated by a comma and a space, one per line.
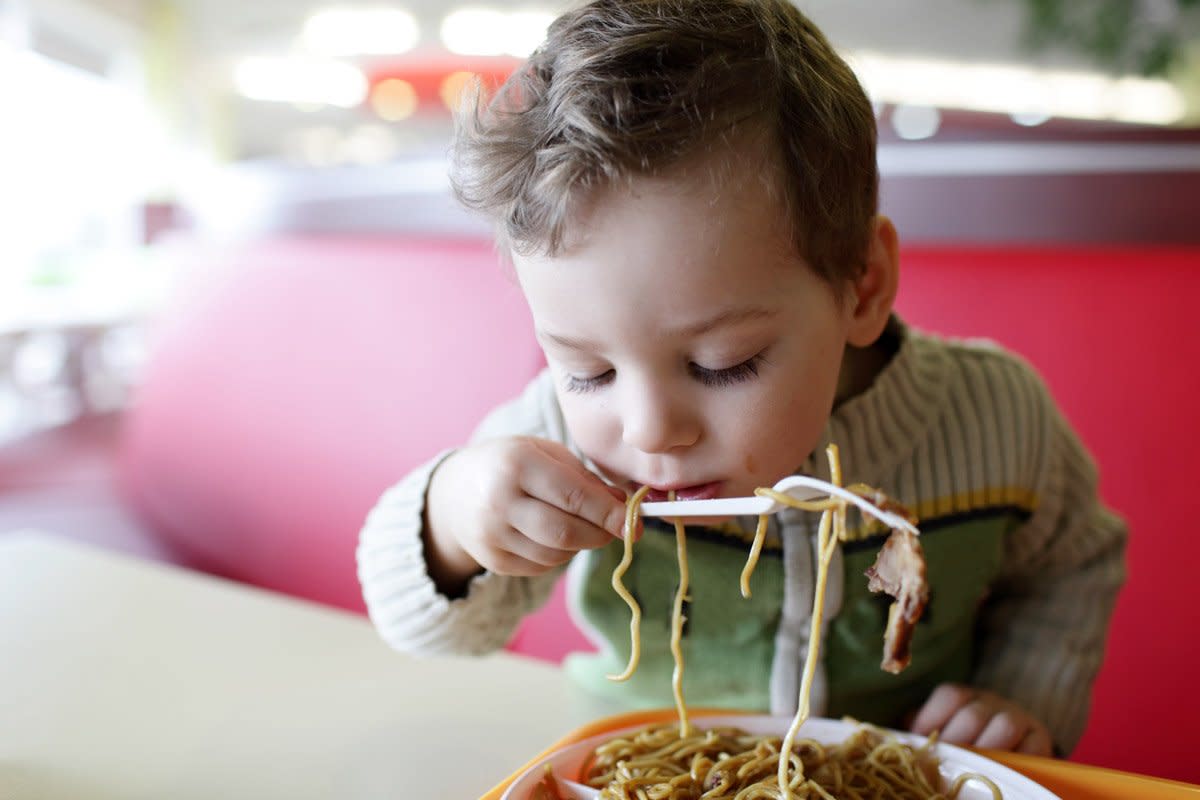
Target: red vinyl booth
(295, 379)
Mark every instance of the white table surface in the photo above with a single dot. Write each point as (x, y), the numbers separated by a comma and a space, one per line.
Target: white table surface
(122, 678)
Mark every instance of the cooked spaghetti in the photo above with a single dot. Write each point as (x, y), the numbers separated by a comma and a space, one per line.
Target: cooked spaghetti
(677, 626)
(635, 611)
(668, 762)
(655, 763)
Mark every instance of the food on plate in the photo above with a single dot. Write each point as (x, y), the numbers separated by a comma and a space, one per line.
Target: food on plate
(727, 762)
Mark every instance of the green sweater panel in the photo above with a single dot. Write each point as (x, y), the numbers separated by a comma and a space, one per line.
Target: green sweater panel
(728, 640)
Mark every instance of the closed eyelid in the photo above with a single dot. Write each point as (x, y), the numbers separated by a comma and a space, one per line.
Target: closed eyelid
(574, 383)
(738, 373)
(744, 370)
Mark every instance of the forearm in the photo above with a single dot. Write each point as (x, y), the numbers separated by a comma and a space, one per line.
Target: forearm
(423, 592)
(1044, 628)
(404, 602)
(1043, 650)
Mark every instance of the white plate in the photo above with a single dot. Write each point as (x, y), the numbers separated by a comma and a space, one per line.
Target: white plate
(954, 761)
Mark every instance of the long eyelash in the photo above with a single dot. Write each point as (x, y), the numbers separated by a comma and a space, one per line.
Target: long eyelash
(728, 376)
(583, 385)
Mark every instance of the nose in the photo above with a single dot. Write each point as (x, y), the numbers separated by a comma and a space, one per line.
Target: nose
(657, 418)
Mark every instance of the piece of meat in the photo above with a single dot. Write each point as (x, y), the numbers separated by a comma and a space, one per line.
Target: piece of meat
(882, 501)
(899, 570)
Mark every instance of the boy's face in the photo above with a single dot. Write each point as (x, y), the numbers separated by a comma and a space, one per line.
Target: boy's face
(692, 347)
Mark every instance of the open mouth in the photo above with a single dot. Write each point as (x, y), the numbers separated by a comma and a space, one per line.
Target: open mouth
(701, 491)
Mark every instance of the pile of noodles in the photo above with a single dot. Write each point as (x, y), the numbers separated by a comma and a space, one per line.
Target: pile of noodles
(656, 763)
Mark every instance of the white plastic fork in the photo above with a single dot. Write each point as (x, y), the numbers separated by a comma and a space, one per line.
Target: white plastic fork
(801, 487)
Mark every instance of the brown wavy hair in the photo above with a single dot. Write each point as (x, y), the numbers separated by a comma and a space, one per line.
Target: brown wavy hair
(623, 88)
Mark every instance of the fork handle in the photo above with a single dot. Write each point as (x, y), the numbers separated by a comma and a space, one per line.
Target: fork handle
(718, 507)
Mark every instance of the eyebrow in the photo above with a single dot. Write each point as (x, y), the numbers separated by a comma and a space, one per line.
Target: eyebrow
(731, 316)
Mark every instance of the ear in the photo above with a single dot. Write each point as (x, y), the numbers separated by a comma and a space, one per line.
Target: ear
(874, 291)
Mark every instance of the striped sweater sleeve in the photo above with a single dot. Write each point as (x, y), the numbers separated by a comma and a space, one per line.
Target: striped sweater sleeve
(1044, 626)
(405, 606)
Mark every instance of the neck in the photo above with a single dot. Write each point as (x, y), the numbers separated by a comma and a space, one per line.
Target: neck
(861, 365)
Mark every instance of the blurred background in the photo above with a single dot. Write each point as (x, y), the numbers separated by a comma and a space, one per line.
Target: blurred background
(130, 123)
(237, 300)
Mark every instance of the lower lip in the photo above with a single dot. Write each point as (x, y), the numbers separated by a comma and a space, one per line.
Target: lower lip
(703, 491)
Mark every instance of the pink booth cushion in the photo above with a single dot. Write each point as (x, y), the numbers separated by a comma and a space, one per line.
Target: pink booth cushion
(295, 380)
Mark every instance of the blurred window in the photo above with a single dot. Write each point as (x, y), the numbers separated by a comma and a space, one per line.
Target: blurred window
(80, 154)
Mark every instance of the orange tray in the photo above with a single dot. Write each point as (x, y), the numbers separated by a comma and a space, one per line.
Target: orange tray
(1065, 778)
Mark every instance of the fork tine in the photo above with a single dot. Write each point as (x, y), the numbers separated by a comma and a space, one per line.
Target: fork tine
(795, 485)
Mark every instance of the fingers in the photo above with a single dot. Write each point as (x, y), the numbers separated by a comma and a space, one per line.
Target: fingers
(526, 557)
(970, 722)
(555, 529)
(1037, 742)
(983, 719)
(1004, 730)
(942, 704)
(521, 505)
(576, 492)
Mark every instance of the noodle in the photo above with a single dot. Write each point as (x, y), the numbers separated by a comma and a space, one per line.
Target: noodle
(726, 762)
(760, 533)
(663, 762)
(677, 626)
(810, 663)
(825, 547)
(632, 508)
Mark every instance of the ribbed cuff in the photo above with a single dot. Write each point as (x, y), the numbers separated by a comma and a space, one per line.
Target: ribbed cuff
(404, 603)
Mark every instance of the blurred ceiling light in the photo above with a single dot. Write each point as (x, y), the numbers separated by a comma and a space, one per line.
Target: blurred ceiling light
(301, 81)
(474, 31)
(360, 31)
(1018, 90)
(393, 99)
(1030, 119)
(526, 30)
(454, 86)
(915, 122)
(488, 32)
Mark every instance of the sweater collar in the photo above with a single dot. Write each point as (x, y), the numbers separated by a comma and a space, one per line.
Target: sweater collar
(879, 428)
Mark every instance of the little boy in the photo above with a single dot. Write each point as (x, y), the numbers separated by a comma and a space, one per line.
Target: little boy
(688, 192)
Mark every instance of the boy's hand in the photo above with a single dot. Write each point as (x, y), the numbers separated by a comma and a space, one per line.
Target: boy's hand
(515, 506)
(981, 718)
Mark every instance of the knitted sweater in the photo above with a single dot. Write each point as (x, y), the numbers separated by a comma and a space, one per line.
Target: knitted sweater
(1024, 563)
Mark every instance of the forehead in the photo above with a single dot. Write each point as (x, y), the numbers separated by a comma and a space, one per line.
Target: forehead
(730, 192)
(722, 165)
(658, 253)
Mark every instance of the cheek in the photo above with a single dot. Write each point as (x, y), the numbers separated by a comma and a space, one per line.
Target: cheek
(775, 445)
(778, 432)
(592, 427)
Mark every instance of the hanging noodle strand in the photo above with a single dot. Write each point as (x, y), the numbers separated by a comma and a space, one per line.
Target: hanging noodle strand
(632, 510)
(677, 625)
(760, 534)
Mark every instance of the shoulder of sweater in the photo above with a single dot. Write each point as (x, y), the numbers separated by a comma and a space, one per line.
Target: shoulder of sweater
(534, 412)
(984, 363)
(991, 388)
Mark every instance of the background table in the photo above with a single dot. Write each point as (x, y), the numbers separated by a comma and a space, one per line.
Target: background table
(127, 679)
